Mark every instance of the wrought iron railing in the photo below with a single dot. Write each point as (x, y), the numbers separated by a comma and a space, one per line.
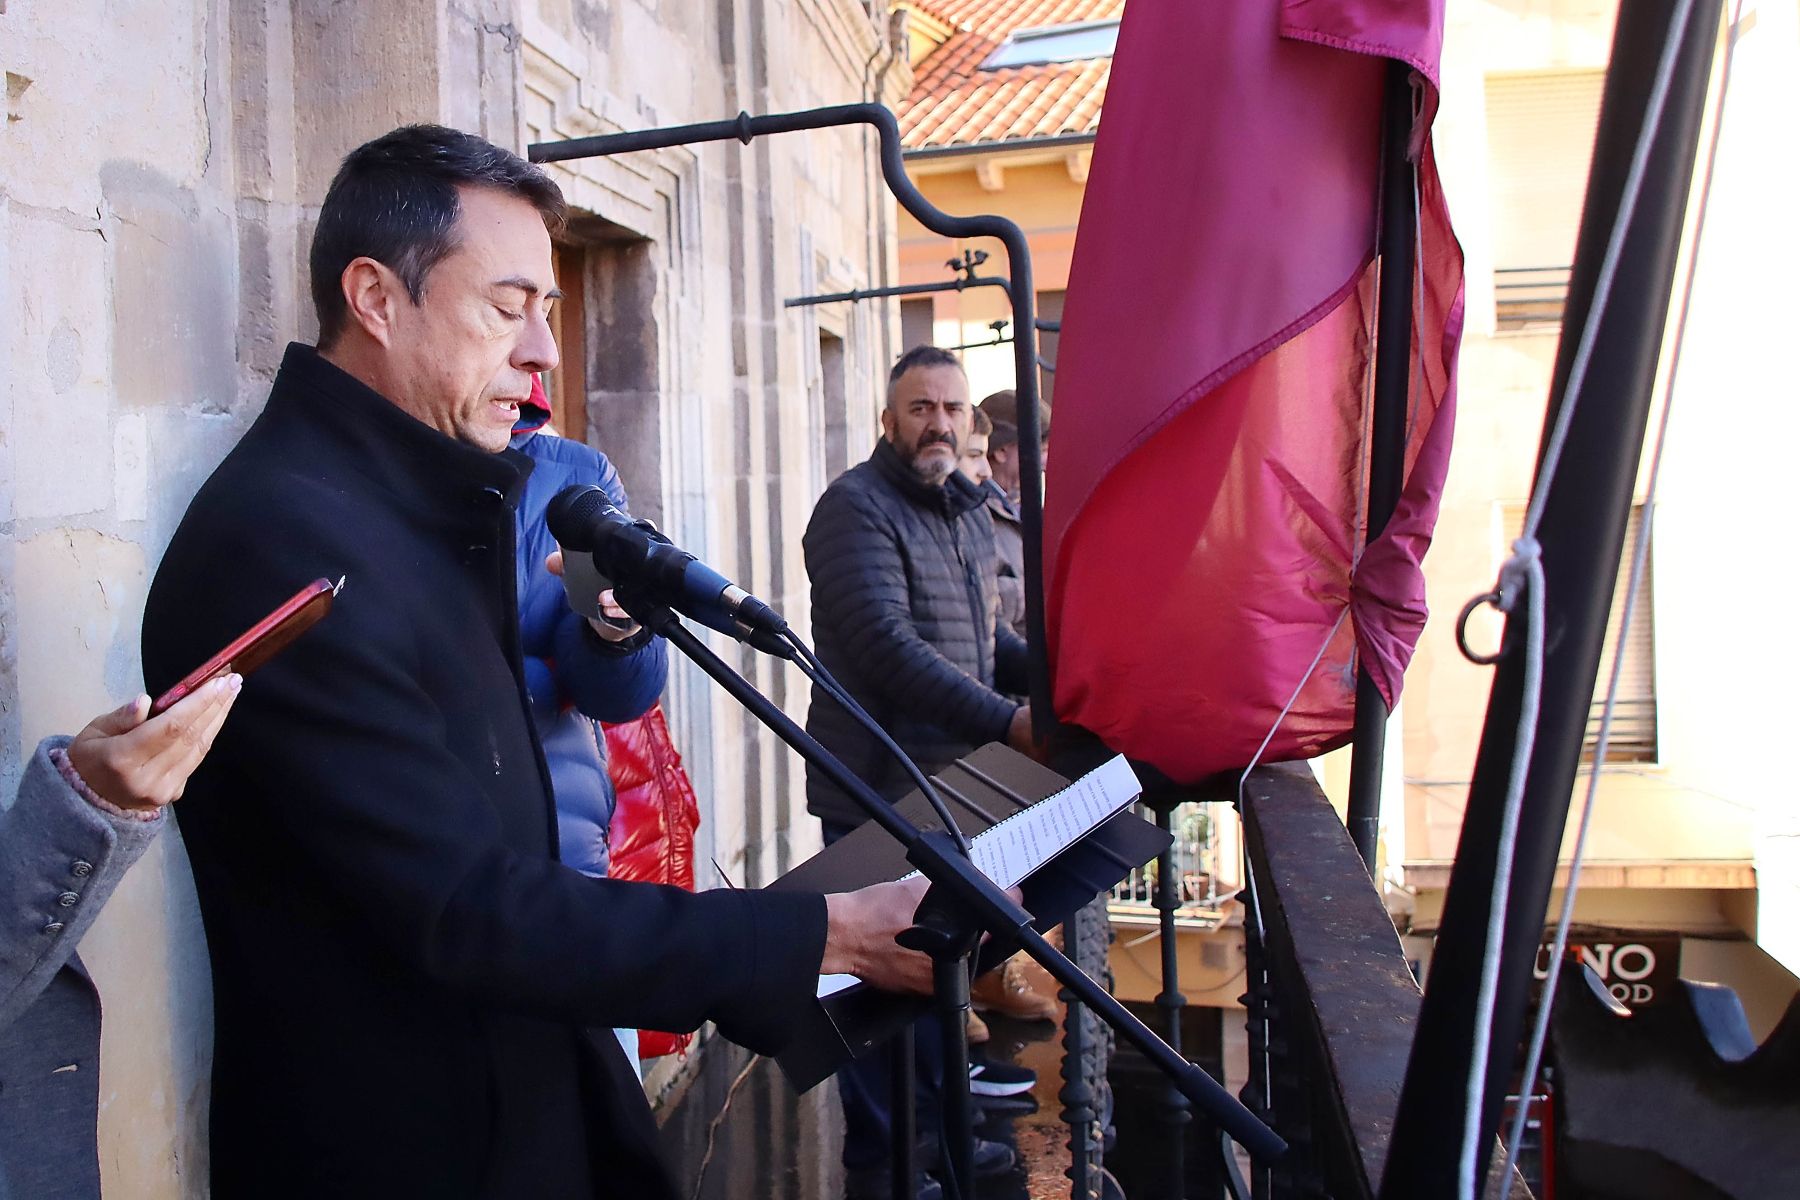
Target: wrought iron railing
(1207, 854)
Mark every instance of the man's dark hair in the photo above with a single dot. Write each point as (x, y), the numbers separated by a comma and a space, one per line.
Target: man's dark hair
(983, 426)
(394, 200)
(922, 356)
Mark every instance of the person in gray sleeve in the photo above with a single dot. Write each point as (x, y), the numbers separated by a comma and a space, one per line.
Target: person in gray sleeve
(86, 809)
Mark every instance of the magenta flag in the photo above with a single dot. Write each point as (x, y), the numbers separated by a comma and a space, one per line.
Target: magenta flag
(1204, 523)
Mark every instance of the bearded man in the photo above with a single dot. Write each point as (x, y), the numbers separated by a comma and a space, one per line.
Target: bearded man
(900, 552)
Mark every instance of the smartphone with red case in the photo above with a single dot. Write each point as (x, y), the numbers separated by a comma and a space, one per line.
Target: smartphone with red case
(261, 642)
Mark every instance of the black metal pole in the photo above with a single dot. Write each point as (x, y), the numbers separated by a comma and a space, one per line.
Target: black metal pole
(1174, 1113)
(913, 289)
(1076, 1097)
(745, 128)
(1581, 535)
(950, 981)
(898, 289)
(902, 1112)
(1387, 430)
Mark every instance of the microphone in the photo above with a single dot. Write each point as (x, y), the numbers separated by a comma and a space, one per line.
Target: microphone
(638, 558)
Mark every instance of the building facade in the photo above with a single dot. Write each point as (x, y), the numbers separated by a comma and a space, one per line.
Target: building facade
(162, 166)
(1691, 865)
(1002, 119)
(1689, 856)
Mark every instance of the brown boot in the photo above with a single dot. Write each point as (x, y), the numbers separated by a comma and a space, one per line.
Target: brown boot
(1008, 991)
(976, 1028)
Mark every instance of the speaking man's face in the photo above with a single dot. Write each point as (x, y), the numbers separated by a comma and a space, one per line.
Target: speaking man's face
(928, 420)
(462, 358)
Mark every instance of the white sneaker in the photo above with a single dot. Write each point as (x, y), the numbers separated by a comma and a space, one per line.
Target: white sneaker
(1000, 1079)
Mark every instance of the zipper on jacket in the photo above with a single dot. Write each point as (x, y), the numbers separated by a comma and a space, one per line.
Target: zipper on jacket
(971, 586)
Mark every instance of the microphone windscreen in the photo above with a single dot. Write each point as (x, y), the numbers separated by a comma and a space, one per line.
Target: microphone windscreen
(571, 514)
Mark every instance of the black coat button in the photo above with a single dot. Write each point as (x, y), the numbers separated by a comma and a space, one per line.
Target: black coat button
(67, 899)
(54, 927)
(81, 869)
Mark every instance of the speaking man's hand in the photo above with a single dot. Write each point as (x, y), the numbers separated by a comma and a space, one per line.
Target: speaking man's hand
(860, 932)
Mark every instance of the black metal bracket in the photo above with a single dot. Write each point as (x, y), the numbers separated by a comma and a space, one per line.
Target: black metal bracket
(999, 339)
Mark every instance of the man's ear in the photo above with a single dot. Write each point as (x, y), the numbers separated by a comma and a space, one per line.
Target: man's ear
(373, 293)
(887, 423)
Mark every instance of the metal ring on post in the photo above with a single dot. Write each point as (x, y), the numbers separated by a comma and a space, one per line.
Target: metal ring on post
(1462, 630)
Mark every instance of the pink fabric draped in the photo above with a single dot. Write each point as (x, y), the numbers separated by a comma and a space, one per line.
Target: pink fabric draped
(1204, 524)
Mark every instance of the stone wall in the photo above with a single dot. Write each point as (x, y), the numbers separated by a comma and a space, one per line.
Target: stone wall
(708, 392)
(160, 168)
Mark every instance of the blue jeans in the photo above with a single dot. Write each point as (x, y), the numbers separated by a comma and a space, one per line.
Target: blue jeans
(866, 1084)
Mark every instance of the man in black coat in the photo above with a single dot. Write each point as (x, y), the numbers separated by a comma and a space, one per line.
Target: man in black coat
(404, 976)
(900, 552)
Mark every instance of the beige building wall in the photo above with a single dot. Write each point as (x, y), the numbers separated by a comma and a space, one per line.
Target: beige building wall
(1041, 191)
(1703, 834)
(1708, 836)
(160, 166)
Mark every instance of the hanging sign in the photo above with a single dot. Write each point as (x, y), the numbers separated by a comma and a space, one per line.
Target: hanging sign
(1637, 970)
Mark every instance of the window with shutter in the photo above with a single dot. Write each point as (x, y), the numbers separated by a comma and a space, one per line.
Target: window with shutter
(1540, 138)
(916, 324)
(1633, 737)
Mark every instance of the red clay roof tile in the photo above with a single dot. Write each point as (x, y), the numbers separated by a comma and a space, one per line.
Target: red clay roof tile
(955, 103)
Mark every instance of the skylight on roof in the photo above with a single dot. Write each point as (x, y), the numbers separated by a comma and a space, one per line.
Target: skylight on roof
(1055, 44)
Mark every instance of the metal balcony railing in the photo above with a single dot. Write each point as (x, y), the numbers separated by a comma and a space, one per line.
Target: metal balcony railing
(1208, 856)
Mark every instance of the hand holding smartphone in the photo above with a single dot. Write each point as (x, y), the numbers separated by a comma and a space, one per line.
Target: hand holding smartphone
(261, 642)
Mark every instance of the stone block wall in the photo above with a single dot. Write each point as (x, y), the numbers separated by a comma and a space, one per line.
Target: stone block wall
(160, 169)
(706, 391)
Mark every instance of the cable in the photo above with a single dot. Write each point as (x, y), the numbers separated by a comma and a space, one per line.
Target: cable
(712, 1130)
(813, 669)
(1522, 579)
(1640, 557)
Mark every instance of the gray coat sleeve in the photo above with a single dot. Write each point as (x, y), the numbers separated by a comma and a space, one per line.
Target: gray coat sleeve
(60, 858)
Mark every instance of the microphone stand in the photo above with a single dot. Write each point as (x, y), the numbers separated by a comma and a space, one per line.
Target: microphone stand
(959, 906)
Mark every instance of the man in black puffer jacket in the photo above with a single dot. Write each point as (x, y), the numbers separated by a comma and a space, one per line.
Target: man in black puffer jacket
(900, 551)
